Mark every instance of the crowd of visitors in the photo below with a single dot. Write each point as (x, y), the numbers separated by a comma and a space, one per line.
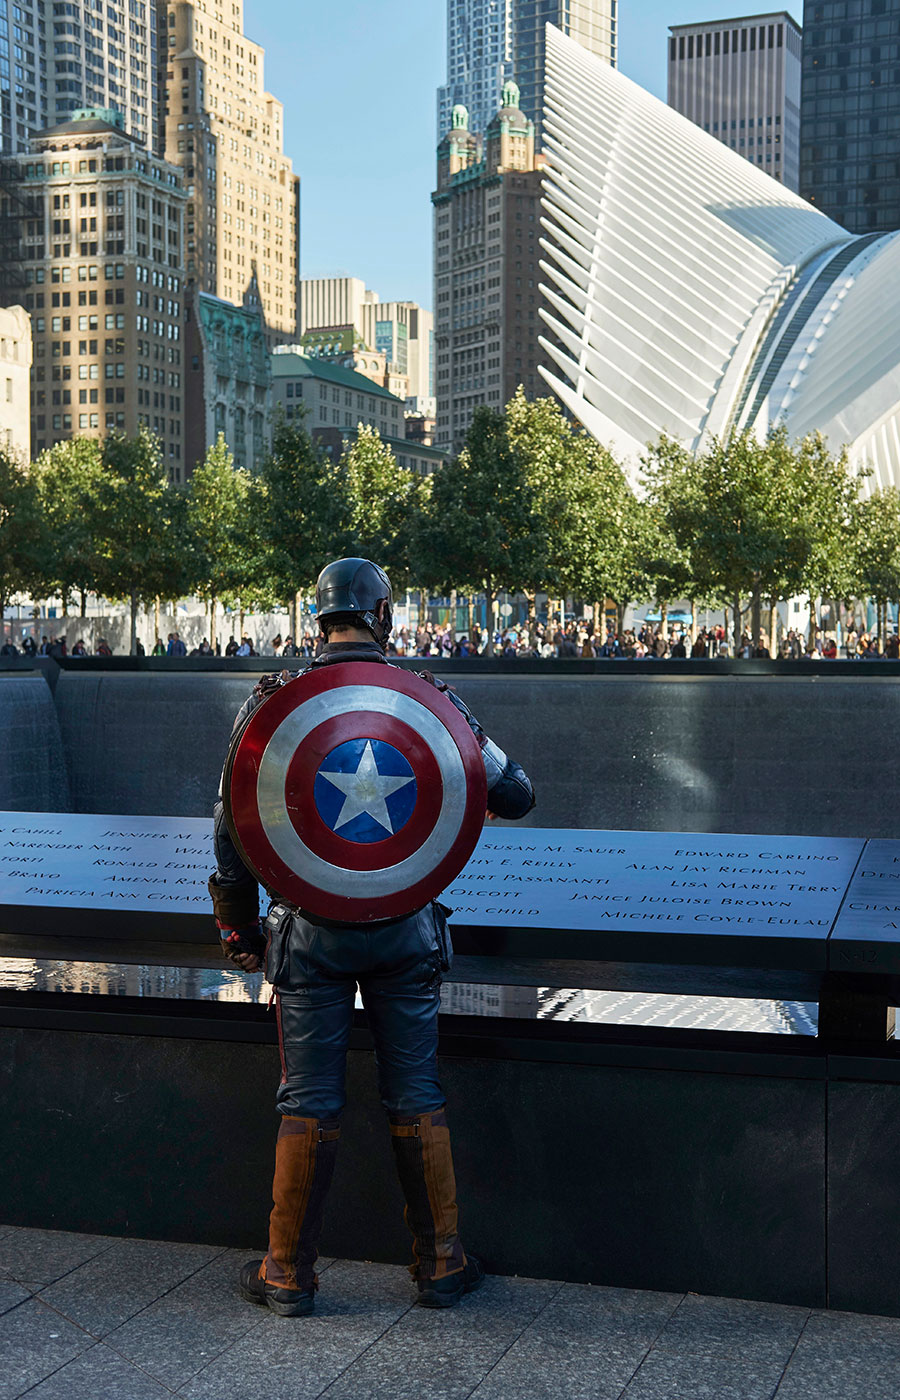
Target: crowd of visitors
(574, 640)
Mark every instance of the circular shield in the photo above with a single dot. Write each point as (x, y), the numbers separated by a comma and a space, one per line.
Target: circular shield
(355, 791)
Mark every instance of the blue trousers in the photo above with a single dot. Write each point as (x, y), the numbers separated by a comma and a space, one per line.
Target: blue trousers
(316, 969)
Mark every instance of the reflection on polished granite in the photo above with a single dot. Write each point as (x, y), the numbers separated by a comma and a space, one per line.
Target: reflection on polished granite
(574, 1004)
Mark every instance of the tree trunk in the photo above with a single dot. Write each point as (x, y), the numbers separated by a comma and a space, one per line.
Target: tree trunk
(489, 615)
(531, 618)
(134, 610)
(664, 620)
(755, 616)
(472, 618)
(65, 602)
(452, 619)
(773, 627)
(812, 619)
(694, 623)
(620, 618)
(736, 612)
(212, 621)
(241, 619)
(84, 604)
(155, 620)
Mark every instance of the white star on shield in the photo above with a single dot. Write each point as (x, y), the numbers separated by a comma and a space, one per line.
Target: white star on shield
(365, 791)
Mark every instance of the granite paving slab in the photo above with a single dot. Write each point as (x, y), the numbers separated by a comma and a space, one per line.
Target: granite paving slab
(11, 1294)
(36, 1258)
(191, 1325)
(591, 1312)
(445, 1355)
(119, 1283)
(669, 1376)
(34, 1342)
(300, 1357)
(99, 1374)
(549, 1368)
(753, 1332)
(843, 1355)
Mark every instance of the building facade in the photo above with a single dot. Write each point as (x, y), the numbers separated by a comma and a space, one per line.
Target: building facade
(225, 133)
(850, 119)
(332, 403)
(479, 60)
(101, 254)
(486, 259)
(58, 58)
(15, 382)
(591, 23)
(490, 42)
(228, 379)
(673, 312)
(739, 80)
(343, 320)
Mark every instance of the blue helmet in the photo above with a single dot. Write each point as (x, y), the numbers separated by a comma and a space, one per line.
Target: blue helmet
(350, 590)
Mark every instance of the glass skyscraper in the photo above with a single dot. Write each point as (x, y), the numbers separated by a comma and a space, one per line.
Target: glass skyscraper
(491, 41)
(592, 23)
(850, 112)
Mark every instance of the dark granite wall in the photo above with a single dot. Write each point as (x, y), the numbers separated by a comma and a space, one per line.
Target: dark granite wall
(765, 753)
(32, 768)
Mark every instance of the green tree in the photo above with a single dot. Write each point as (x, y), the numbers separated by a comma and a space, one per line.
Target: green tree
(298, 508)
(69, 479)
(580, 497)
(877, 562)
(379, 502)
(220, 519)
(755, 516)
(25, 542)
(141, 528)
(479, 529)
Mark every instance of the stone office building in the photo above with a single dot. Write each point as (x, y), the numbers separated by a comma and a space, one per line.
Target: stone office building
(228, 379)
(332, 403)
(15, 364)
(100, 254)
(487, 210)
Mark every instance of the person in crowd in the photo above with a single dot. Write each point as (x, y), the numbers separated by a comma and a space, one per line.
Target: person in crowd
(79, 649)
(232, 646)
(276, 644)
(9, 648)
(158, 648)
(104, 648)
(29, 647)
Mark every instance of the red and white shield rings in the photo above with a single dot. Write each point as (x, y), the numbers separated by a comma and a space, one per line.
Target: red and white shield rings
(357, 792)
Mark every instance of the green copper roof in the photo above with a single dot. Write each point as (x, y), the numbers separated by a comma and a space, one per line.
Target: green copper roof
(288, 364)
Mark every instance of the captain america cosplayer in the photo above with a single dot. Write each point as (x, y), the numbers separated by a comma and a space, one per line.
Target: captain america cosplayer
(315, 966)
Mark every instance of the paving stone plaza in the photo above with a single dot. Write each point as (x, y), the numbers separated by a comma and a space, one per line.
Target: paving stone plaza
(88, 1316)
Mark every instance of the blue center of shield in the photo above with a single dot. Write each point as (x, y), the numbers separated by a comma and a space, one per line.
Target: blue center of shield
(365, 790)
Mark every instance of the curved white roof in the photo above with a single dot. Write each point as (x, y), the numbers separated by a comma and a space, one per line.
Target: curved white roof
(690, 293)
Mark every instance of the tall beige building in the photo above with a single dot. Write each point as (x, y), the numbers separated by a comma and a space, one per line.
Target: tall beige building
(100, 254)
(361, 328)
(225, 132)
(15, 366)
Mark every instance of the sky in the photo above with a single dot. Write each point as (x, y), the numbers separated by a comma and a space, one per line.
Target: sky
(358, 80)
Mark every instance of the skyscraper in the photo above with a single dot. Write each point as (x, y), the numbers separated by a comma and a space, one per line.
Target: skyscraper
(479, 59)
(592, 23)
(486, 266)
(739, 79)
(491, 41)
(58, 58)
(225, 132)
(850, 115)
(101, 252)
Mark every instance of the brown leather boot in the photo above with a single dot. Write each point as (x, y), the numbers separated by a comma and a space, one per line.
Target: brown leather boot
(304, 1164)
(425, 1167)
